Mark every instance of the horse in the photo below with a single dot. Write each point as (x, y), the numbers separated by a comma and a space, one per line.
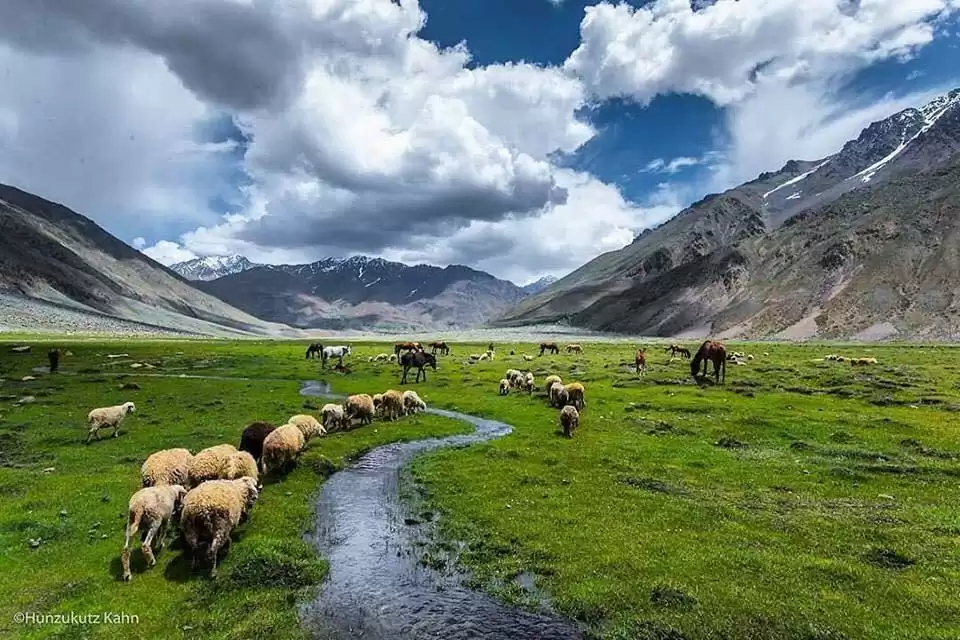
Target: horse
(549, 346)
(641, 361)
(713, 351)
(418, 359)
(490, 347)
(54, 356)
(439, 346)
(315, 348)
(674, 349)
(333, 352)
(406, 346)
(574, 348)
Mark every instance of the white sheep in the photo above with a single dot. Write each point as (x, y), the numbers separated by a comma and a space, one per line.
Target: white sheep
(239, 464)
(309, 425)
(282, 446)
(108, 417)
(333, 417)
(166, 467)
(529, 382)
(151, 508)
(554, 392)
(504, 386)
(527, 358)
(412, 402)
(359, 406)
(209, 464)
(210, 513)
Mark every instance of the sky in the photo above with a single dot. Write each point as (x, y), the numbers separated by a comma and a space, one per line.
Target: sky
(521, 137)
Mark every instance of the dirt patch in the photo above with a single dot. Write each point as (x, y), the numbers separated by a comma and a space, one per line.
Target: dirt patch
(888, 559)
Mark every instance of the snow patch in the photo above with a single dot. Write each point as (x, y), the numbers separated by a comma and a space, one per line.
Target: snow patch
(370, 284)
(797, 179)
(795, 195)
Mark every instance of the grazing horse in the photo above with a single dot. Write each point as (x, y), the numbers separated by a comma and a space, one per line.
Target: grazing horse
(439, 346)
(54, 356)
(549, 346)
(715, 352)
(674, 349)
(574, 348)
(641, 361)
(315, 348)
(406, 346)
(333, 352)
(418, 359)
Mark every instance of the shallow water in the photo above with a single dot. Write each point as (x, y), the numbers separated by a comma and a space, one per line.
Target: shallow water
(376, 588)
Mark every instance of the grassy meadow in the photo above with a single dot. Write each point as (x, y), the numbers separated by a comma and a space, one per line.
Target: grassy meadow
(803, 499)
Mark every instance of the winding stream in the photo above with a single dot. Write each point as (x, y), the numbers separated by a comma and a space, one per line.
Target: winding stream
(376, 589)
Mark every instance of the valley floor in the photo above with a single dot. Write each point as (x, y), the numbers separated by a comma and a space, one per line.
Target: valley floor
(803, 499)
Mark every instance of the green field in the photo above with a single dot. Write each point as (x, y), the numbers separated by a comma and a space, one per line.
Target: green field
(801, 500)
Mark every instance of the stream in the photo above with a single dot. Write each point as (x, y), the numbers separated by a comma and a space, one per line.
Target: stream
(376, 588)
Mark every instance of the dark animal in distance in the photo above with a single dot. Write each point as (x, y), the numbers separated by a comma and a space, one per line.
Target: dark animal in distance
(418, 359)
(314, 349)
(641, 361)
(490, 347)
(54, 356)
(251, 439)
(406, 346)
(712, 351)
(549, 346)
(674, 349)
(439, 346)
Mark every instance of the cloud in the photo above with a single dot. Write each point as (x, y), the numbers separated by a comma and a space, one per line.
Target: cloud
(726, 50)
(168, 253)
(139, 242)
(676, 165)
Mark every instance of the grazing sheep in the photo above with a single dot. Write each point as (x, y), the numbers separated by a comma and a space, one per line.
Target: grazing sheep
(107, 417)
(527, 358)
(208, 464)
(151, 508)
(483, 356)
(514, 377)
(504, 386)
(574, 392)
(569, 420)
(308, 425)
(240, 464)
(333, 417)
(550, 380)
(210, 513)
(283, 446)
(167, 467)
(251, 439)
(412, 402)
(859, 362)
(766, 354)
(749, 356)
(392, 405)
(529, 382)
(360, 407)
(555, 392)
(574, 348)
(377, 403)
(382, 357)
(392, 357)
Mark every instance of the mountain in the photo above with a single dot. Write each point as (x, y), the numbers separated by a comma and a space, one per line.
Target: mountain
(212, 267)
(859, 244)
(367, 293)
(539, 285)
(57, 264)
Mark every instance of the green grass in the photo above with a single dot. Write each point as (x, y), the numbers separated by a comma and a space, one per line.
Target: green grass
(801, 500)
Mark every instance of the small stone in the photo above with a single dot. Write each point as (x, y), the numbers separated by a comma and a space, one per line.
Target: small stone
(49, 469)
(886, 496)
(27, 378)
(289, 493)
(63, 513)
(35, 542)
(95, 525)
(26, 400)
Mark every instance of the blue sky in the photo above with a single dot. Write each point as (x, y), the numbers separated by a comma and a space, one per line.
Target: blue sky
(339, 127)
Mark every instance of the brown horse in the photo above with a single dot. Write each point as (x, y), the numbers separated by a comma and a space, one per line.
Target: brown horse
(574, 348)
(315, 348)
(713, 351)
(54, 356)
(674, 349)
(439, 346)
(406, 346)
(418, 359)
(641, 361)
(549, 346)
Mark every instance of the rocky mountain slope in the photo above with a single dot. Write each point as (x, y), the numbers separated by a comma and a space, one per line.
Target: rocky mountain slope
(59, 260)
(367, 293)
(212, 267)
(858, 244)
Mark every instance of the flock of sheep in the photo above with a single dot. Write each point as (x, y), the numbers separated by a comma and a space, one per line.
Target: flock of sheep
(213, 492)
(568, 398)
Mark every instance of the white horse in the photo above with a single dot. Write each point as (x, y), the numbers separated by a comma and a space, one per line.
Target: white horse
(334, 352)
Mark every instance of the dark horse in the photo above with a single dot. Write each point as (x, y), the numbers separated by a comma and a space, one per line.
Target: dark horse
(439, 346)
(710, 350)
(549, 346)
(418, 359)
(406, 346)
(674, 349)
(315, 348)
(54, 356)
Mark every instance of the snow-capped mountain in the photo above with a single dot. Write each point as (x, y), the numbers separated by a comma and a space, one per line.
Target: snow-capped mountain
(539, 285)
(212, 267)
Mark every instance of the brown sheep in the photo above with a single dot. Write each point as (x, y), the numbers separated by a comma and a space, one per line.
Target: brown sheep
(392, 405)
(574, 392)
(569, 420)
(167, 467)
(360, 407)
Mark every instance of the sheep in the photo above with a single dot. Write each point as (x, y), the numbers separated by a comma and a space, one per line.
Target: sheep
(412, 403)
(859, 362)
(504, 387)
(208, 464)
(359, 406)
(550, 380)
(151, 508)
(392, 404)
(510, 373)
(569, 420)
(750, 356)
(309, 425)
(239, 464)
(392, 357)
(377, 403)
(483, 356)
(529, 382)
(251, 438)
(333, 417)
(107, 417)
(382, 357)
(167, 467)
(574, 392)
(555, 392)
(282, 446)
(212, 510)
(527, 358)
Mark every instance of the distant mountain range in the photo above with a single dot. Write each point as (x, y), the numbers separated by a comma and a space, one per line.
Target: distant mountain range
(861, 244)
(358, 292)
